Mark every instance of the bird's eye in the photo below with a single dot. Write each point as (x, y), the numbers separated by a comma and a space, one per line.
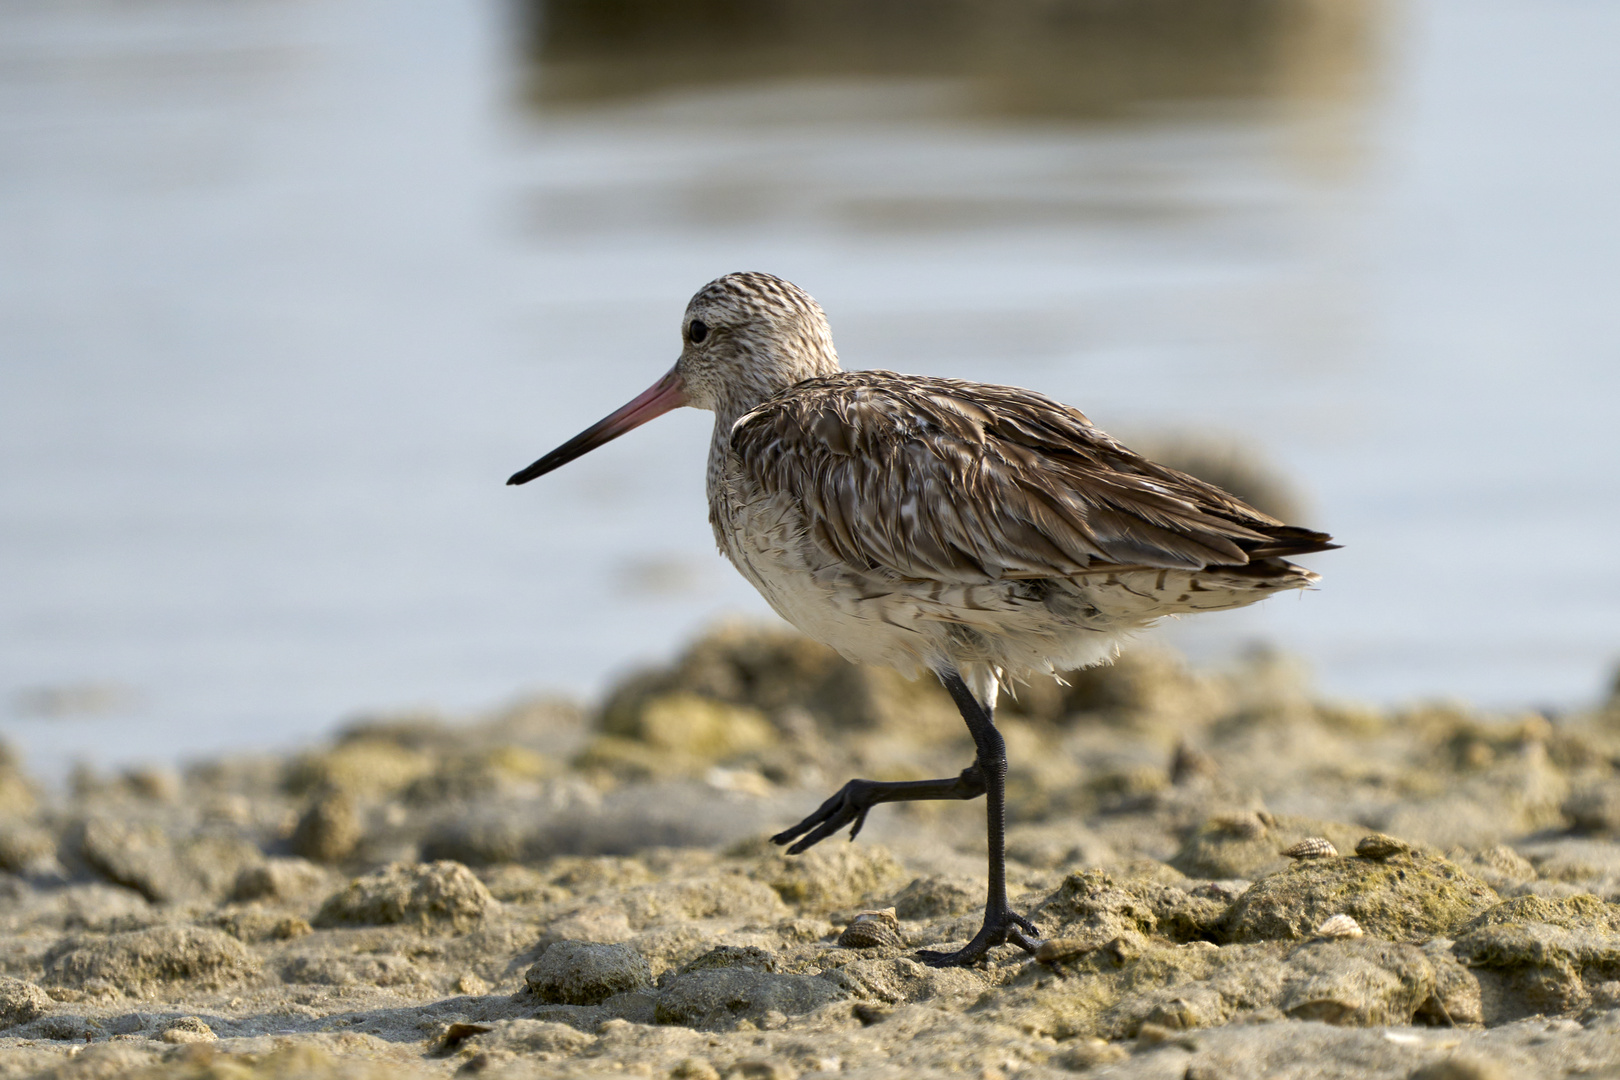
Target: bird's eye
(697, 331)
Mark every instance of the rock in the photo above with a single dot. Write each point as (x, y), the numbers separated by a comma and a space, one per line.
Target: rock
(596, 922)
(1355, 982)
(1095, 906)
(1463, 1067)
(687, 723)
(138, 857)
(1547, 949)
(21, 1001)
(1595, 808)
(1402, 898)
(144, 961)
(278, 879)
(832, 875)
(1141, 686)
(1222, 848)
(367, 969)
(329, 829)
(1456, 999)
(1055, 845)
(724, 896)
(369, 764)
(717, 999)
(143, 857)
(24, 846)
(439, 895)
(732, 956)
(535, 1040)
(901, 980)
(187, 1029)
(585, 973)
(931, 898)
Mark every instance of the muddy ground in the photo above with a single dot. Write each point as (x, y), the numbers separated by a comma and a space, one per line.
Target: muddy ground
(1234, 878)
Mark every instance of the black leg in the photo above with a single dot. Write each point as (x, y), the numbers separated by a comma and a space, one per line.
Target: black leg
(1002, 926)
(855, 798)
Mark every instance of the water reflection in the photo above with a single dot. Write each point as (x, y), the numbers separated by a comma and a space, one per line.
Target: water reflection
(1030, 59)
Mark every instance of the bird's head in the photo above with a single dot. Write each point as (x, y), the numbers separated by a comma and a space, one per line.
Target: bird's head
(744, 338)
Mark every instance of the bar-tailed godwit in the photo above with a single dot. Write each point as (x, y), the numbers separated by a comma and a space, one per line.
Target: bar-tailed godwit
(983, 533)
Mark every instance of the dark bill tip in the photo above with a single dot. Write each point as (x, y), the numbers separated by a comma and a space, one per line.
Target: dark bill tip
(666, 394)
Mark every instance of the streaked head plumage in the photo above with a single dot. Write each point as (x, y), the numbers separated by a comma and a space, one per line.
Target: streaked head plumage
(748, 336)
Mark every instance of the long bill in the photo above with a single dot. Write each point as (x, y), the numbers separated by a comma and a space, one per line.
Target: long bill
(659, 398)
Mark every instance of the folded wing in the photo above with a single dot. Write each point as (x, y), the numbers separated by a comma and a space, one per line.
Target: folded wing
(955, 481)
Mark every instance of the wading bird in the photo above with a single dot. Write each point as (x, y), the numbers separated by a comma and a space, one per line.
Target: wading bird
(983, 533)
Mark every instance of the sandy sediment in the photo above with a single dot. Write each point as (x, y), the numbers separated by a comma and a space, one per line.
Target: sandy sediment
(1233, 877)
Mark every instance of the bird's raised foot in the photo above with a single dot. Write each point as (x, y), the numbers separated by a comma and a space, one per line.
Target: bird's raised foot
(1003, 927)
(851, 802)
(848, 806)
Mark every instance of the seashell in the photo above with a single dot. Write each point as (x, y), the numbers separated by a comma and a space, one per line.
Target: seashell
(1312, 847)
(872, 930)
(1339, 926)
(1380, 846)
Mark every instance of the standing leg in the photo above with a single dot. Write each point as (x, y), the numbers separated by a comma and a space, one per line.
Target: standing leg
(1002, 926)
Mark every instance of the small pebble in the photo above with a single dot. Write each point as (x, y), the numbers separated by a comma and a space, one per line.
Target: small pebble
(1314, 847)
(1339, 926)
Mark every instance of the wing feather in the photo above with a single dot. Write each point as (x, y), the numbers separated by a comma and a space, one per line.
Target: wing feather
(946, 480)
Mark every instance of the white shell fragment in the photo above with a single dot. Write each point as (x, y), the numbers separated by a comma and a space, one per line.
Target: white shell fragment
(1312, 847)
(1340, 926)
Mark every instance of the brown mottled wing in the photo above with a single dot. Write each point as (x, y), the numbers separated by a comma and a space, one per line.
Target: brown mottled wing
(956, 481)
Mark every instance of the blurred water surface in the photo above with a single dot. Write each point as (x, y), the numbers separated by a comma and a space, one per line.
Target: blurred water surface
(288, 288)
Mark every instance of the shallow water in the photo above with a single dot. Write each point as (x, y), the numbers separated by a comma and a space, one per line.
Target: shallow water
(287, 290)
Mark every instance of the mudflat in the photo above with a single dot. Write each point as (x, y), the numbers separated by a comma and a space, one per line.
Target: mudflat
(1233, 878)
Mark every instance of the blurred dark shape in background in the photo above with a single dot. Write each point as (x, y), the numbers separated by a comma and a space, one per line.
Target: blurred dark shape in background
(1034, 59)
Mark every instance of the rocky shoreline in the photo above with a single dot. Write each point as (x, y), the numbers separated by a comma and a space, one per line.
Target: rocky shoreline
(1234, 879)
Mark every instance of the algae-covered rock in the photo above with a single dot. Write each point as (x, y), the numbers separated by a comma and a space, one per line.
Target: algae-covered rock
(1406, 897)
(366, 765)
(584, 973)
(688, 723)
(434, 895)
(832, 875)
(140, 961)
(1551, 950)
(719, 998)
